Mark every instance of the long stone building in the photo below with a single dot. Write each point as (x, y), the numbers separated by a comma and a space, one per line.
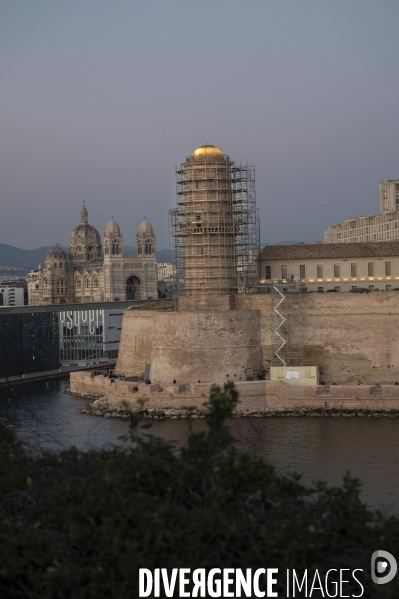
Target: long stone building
(92, 272)
(333, 266)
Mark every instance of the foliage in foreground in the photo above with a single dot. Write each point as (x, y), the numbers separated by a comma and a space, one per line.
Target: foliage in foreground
(79, 525)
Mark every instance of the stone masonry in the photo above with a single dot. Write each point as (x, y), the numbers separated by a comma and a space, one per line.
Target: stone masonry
(260, 396)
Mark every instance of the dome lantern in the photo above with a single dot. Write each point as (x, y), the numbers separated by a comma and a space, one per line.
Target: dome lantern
(84, 215)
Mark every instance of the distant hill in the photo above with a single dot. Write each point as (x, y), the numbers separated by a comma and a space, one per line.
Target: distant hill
(13, 256)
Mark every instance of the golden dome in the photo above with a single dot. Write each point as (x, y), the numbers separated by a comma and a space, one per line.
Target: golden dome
(207, 151)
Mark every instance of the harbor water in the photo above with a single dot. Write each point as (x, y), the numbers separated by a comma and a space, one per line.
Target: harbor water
(319, 448)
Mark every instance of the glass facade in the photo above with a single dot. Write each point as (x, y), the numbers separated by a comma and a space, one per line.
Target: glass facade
(81, 335)
(28, 343)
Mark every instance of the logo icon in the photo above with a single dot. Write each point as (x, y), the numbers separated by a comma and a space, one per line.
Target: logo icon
(383, 567)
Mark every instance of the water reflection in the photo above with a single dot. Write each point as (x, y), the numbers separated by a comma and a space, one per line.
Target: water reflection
(319, 448)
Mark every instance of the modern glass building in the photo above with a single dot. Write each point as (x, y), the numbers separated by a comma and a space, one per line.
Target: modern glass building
(41, 338)
(28, 343)
(89, 336)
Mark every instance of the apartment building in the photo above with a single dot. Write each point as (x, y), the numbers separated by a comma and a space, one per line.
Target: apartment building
(382, 227)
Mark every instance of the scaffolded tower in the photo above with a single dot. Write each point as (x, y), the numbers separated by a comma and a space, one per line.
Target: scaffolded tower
(215, 230)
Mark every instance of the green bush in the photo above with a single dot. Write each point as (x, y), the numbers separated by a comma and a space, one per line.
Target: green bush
(360, 290)
(80, 525)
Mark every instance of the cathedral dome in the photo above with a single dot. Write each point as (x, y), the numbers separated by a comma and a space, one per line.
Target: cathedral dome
(84, 233)
(57, 253)
(113, 227)
(145, 227)
(207, 152)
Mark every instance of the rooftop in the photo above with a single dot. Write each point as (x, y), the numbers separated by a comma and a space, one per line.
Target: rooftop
(306, 251)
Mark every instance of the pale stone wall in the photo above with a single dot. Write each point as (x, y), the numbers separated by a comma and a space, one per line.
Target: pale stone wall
(352, 337)
(190, 346)
(257, 395)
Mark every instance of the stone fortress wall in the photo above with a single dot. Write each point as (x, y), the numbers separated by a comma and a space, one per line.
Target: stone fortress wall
(256, 398)
(218, 334)
(190, 346)
(352, 337)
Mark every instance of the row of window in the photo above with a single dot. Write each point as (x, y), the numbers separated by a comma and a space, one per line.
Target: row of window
(62, 284)
(320, 270)
(114, 250)
(357, 237)
(370, 229)
(147, 249)
(338, 288)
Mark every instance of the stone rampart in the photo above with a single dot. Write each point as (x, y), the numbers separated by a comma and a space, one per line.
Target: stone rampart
(261, 396)
(352, 337)
(190, 346)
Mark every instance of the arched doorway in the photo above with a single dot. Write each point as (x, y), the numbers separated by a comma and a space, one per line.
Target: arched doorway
(133, 288)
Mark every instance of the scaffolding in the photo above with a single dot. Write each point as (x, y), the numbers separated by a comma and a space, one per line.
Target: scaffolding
(214, 231)
(286, 323)
(247, 237)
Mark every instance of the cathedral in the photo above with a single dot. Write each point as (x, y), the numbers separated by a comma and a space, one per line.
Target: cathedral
(87, 274)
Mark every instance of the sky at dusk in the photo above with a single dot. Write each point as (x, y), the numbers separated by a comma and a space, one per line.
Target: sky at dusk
(99, 100)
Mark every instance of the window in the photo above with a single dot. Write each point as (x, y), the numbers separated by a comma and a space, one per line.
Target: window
(371, 269)
(336, 271)
(302, 271)
(338, 288)
(284, 272)
(353, 269)
(320, 271)
(388, 287)
(354, 286)
(388, 269)
(268, 272)
(320, 289)
(62, 287)
(371, 287)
